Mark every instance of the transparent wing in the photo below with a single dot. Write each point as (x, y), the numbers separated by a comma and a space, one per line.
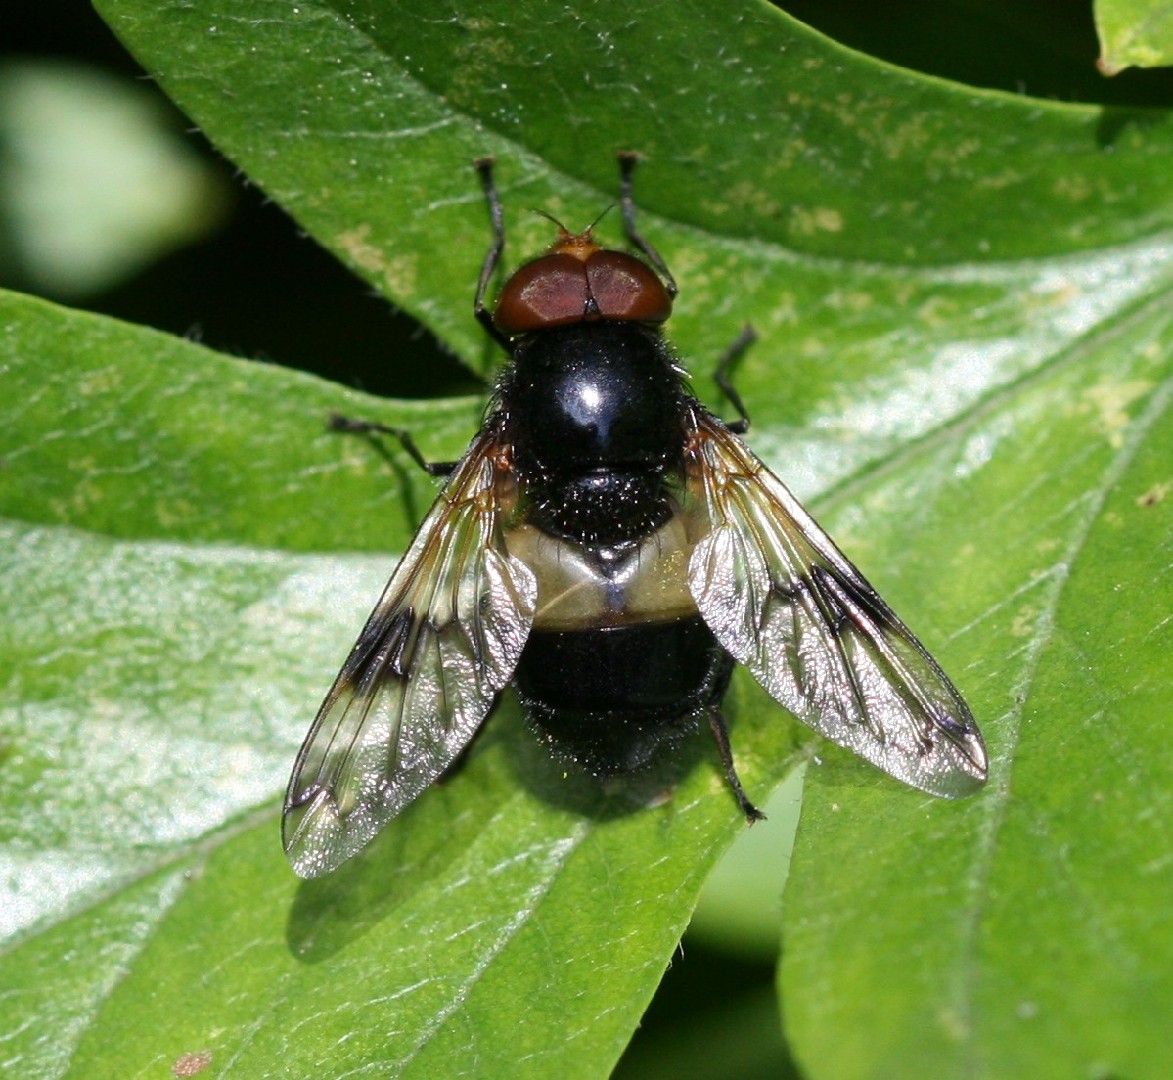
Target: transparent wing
(441, 643)
(782, 599)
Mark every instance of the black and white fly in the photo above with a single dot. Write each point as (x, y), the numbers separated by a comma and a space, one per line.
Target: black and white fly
(611, 548)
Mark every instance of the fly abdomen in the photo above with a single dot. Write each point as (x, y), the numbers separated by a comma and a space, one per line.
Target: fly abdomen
(610, 697)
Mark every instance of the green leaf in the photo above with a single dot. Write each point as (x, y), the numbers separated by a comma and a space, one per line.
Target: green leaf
(1018, 934)
(964, 356)
(363, 119)
(1134, 33)
(162, 678)
(740, 908)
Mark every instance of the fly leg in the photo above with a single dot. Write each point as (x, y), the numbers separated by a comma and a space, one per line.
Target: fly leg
(337, 422)
(721, 735)
(724, 381)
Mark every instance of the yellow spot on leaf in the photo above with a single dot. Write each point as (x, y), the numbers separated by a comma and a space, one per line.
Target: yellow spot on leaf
(1024, 623)
(356, 243)
(1108, 403)
(1155, 494)
(806, 221)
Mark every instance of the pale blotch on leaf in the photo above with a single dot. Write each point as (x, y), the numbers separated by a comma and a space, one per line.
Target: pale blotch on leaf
(358, 248)
(806, 221)
(1155, 494)
(1108, 401)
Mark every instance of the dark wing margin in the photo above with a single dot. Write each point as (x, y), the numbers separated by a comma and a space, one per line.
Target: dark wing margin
(442, 642)
(784, 601)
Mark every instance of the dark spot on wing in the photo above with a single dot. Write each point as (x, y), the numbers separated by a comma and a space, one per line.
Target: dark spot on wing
(396, 638)
(832, 585)
(950, 724)
(789, 592)
(302, 797)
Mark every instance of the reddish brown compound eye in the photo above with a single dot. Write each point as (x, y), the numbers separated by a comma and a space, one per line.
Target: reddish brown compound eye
(550, 291)
(626, 289)
(578, 281)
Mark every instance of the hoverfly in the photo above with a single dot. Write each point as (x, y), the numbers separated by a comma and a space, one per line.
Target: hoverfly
(611, 548)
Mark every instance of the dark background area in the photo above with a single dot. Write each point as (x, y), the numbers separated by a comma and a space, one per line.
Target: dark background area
(257, 287)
